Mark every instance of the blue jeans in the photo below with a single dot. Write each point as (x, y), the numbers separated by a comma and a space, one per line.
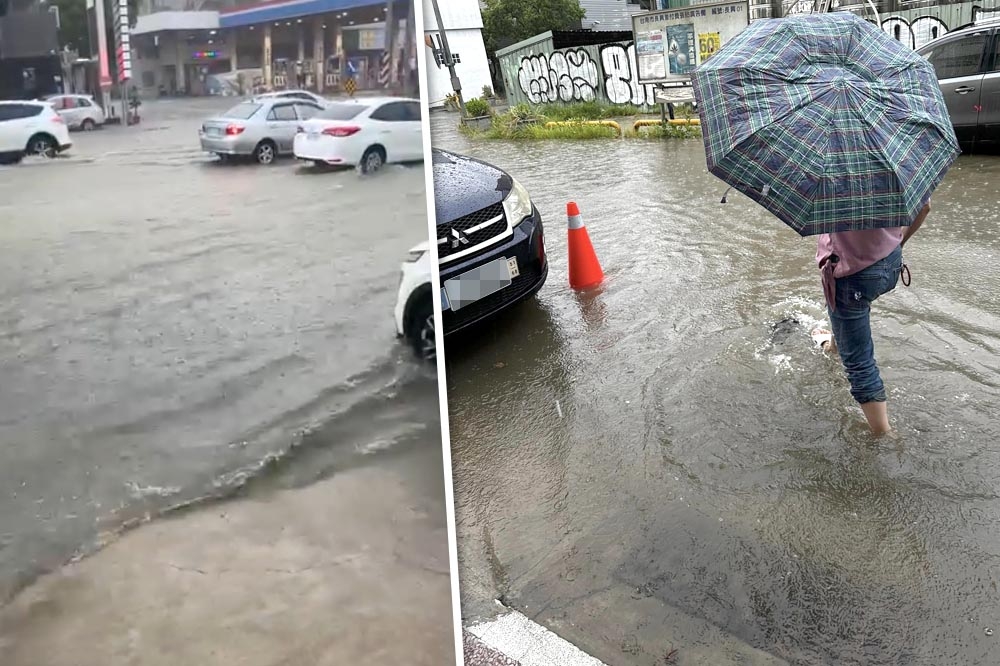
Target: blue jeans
(851, 324)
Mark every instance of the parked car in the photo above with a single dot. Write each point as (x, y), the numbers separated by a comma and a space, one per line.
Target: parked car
(78, 111)
(366, 133)
(303, 95)
(967, 62)
(414, 303)
(31, 128)
(263, 129)
(491, 251)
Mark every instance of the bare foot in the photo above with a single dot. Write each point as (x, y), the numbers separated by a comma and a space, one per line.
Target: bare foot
(824, 340)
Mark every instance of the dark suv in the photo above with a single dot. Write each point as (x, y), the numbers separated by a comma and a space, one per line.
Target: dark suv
(491, 248)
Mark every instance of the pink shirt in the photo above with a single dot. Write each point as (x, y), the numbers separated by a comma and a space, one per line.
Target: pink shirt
(857, 250)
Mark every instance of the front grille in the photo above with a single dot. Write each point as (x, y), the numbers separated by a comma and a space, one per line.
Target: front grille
(519, 286)
(479, 234)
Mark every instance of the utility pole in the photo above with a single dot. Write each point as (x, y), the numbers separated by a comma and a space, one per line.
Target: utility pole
(456, 85)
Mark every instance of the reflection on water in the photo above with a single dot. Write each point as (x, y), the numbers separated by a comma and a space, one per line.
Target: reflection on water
(658, 435)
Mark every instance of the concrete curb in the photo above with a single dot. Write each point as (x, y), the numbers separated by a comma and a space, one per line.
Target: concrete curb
(514, 640)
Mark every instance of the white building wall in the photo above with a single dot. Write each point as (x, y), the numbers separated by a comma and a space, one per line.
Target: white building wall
(464, 24)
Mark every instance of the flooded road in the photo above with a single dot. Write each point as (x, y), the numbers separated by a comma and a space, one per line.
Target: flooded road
(654, 466)
(173, 330)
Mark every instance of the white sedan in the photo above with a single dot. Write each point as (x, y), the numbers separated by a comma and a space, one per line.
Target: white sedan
(366, 133)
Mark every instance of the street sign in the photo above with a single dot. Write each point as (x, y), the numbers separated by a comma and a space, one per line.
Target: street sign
(672, 43)
(350, 86)
(675, 95)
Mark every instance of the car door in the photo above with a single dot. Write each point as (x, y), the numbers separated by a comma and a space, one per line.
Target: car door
(959, 62)
(84, 110)
(414, 131)
(389, 122)
(989, 100)
(282, 122)
(9, 136)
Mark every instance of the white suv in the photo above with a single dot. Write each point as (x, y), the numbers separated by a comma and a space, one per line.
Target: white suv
(31, 128)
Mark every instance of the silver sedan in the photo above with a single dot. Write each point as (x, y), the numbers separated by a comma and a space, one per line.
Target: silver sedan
(261, 128)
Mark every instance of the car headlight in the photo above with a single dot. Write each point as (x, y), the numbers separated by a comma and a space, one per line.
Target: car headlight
(517, 205)
(414, 256)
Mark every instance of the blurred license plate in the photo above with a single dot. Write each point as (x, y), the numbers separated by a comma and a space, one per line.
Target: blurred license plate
(213, 131)
(479, 283)
(313, 135)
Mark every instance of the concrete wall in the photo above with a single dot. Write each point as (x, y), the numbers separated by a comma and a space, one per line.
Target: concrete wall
(538, 74)
(916, 27)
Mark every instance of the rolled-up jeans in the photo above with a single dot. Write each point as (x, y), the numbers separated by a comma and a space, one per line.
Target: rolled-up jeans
(851, 323)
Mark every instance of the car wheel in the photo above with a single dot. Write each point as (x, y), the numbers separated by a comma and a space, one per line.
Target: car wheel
(88, 125)
(42, 145)
(265, 152)
(421, 330)
(372, 160)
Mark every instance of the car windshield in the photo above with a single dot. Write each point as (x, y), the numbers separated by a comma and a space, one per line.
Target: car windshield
(242, 111)
(341, 111)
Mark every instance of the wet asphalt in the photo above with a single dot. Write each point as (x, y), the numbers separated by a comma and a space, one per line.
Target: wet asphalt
(654, 465)
(174, 330)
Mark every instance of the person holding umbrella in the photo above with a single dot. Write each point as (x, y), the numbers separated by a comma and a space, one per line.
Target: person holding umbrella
(839, 131)
(857, 267)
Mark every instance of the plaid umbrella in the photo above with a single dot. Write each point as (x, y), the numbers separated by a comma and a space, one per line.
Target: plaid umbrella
(826, 121)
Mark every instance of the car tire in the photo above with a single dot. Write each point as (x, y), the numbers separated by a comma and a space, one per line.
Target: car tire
(421, 330)
(265, 152)
(88, 125)
(372, 160)
(42, 145)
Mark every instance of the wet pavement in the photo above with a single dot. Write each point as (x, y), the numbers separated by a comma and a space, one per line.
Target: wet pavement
(653, 466)
(174, 331)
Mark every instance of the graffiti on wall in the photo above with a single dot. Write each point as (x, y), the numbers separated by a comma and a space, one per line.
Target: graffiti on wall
(569, 75)
(914, 33)
(608, 73)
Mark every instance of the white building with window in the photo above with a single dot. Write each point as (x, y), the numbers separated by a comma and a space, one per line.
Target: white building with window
(463, 22)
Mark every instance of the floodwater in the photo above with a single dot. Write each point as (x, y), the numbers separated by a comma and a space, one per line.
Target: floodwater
(653, 465)
(174, 330)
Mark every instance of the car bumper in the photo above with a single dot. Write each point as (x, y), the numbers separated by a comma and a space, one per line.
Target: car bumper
(325, 150)
(528, 246)
(224, 146)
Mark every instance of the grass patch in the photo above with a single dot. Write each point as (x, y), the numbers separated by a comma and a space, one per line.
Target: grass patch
(665, 132)
(525, 122)
(504, 128)
(585, 111)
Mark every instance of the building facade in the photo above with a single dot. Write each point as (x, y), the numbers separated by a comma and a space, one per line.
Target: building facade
(223, 48)
(30, 64)
(463, 23)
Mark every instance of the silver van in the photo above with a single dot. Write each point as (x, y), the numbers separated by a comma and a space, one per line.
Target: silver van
(967, 62)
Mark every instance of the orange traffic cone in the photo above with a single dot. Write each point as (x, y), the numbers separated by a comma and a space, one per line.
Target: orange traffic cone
(584, 269)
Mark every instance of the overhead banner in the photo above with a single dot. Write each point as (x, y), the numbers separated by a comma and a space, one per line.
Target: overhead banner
(671, 43)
